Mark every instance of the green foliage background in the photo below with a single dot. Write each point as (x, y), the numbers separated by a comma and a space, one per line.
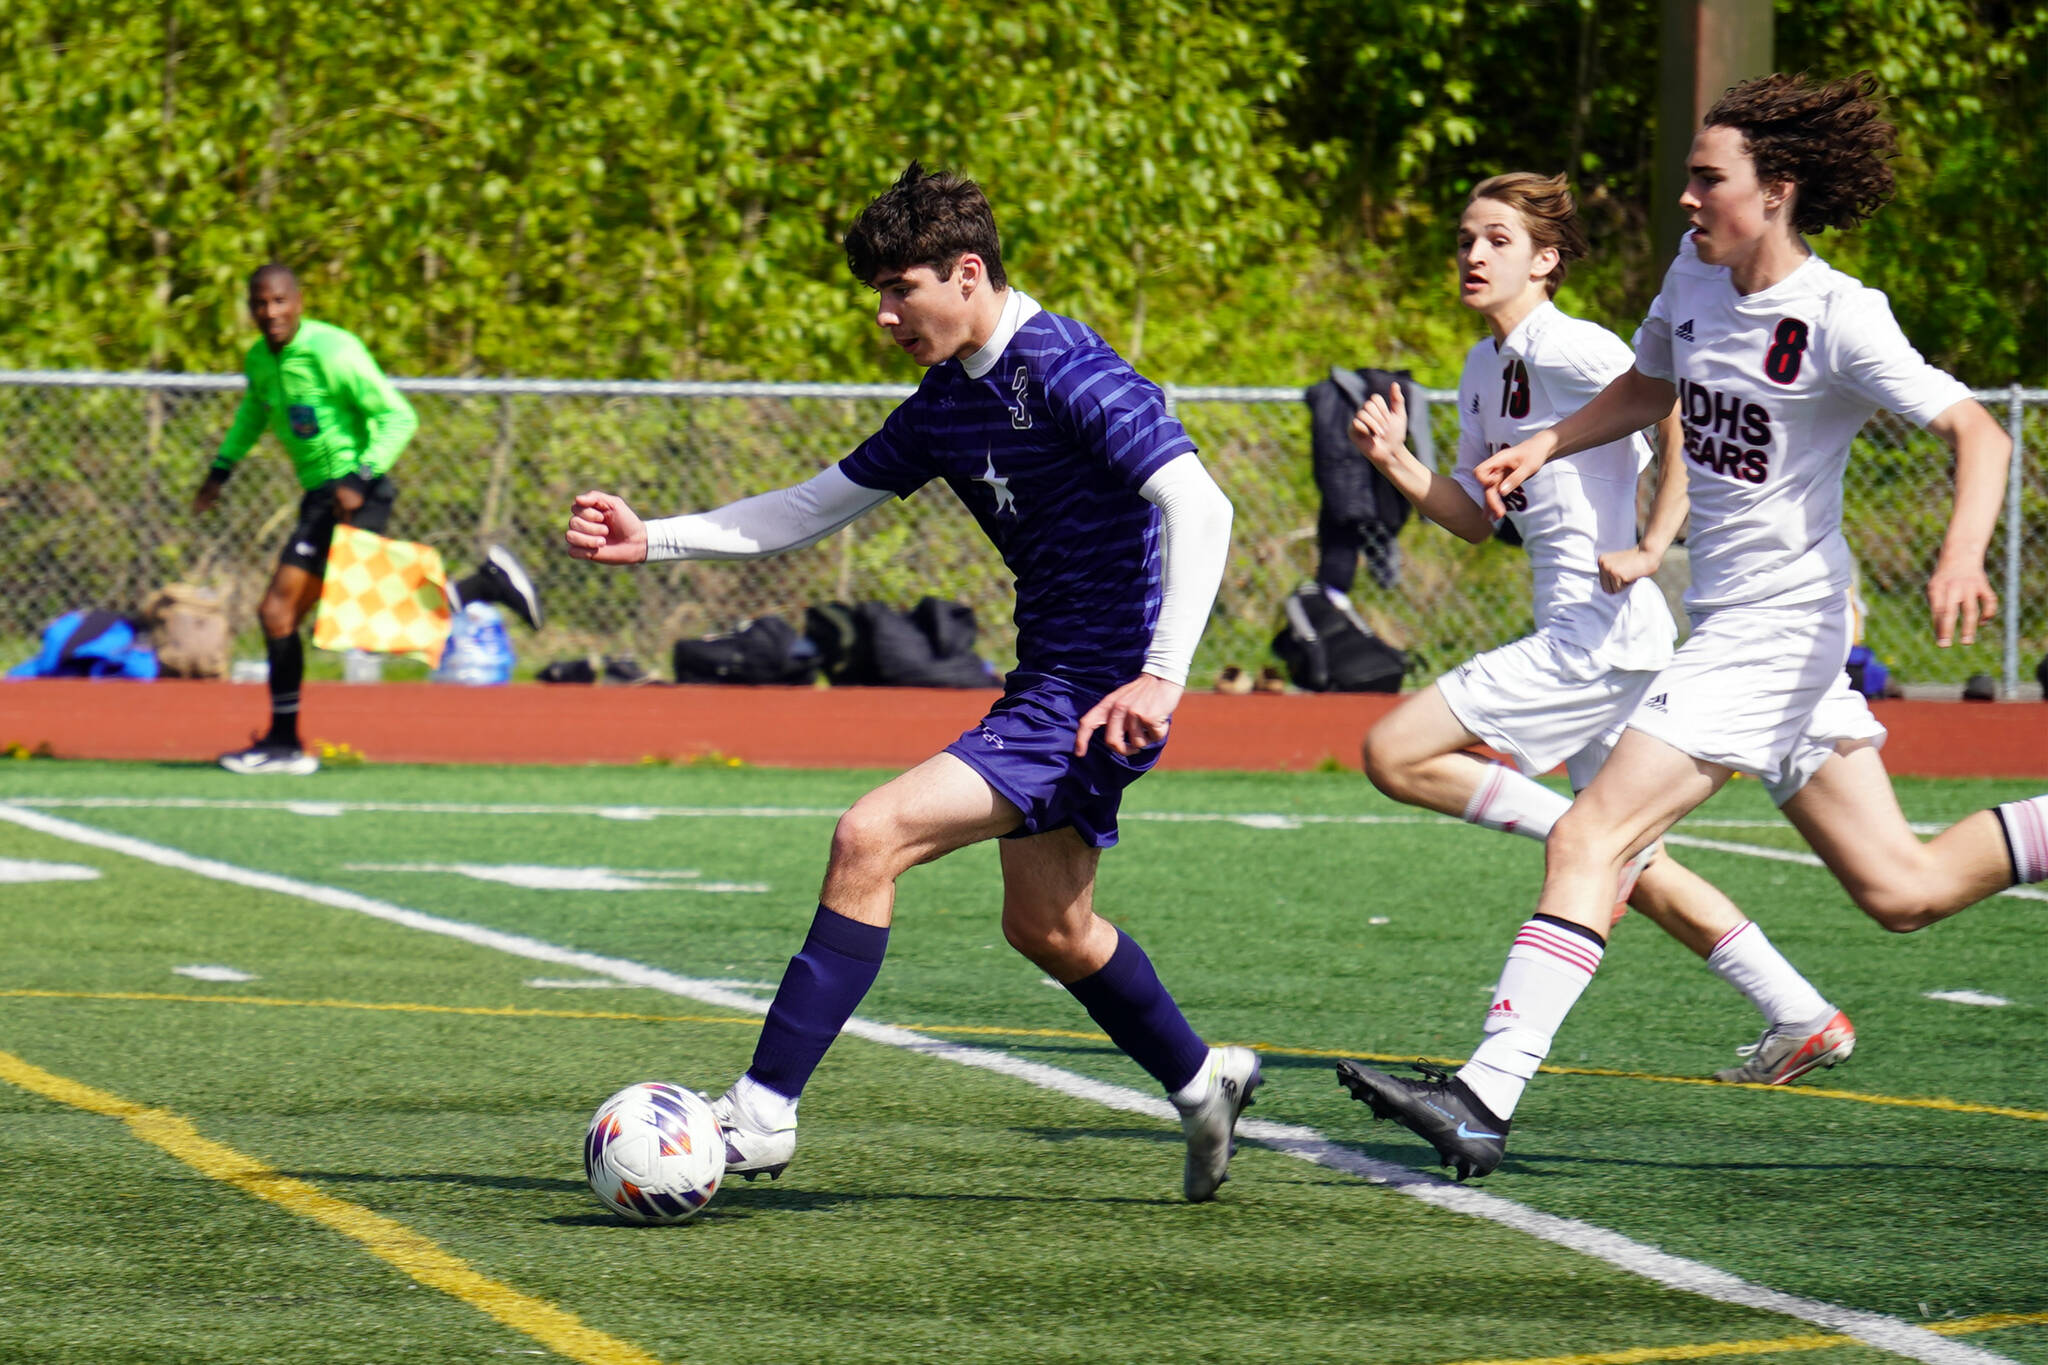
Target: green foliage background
(1239, 191)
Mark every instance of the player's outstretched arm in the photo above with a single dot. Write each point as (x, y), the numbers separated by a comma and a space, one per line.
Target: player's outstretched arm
(604, 530)
(765, 524)
(1959, 594)
(1620, 568)
(1379, 430)
(1633, 401)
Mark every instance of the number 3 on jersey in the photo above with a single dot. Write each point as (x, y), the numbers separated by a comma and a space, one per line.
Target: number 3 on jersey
(1514, 390)
(1020, 411)
(1788, 344)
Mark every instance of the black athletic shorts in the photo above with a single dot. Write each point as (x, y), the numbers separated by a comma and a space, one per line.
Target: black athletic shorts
(307, 547)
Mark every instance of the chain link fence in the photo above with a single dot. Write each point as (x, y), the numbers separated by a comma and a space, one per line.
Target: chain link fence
(97, 472)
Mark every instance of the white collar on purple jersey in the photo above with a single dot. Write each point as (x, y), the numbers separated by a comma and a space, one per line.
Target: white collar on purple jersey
(1018, 309)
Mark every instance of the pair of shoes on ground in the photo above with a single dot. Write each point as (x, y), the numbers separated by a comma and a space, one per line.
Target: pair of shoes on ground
(1471, 1140)
(755, 1147)
(1236, 682)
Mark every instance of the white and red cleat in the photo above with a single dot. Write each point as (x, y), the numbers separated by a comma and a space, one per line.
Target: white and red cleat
(1785, 1053)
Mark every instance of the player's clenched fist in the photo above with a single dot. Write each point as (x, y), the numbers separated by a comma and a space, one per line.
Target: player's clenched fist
(604, 529)
(1502, 472)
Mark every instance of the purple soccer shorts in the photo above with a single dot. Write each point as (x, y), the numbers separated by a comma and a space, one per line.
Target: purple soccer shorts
(1024, 749)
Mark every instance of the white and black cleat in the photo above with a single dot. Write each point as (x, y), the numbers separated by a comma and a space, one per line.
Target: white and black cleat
(751, 1150)
(284, 760)
(1210, 1123)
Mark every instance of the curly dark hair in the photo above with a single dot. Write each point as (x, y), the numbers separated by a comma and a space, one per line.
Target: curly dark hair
(1829, 140)
(926, 218)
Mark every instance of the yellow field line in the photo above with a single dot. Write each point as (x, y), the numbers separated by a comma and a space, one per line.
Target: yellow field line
(1702, 1351)
(1987, 1322)
(411, 1253)
(563, 1333)
(1817, 1341)
(992, 1031)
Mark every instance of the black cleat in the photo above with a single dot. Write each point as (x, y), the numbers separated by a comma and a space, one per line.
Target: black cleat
(510, 586)
(1441, 1110)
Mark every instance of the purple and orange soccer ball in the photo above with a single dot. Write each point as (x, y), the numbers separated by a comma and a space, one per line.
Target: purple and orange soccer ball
(654, 1153)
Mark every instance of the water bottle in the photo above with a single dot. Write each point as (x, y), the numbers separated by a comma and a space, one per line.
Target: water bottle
(479, 651)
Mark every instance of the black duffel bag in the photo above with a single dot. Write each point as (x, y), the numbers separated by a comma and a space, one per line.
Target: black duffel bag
(764, 650)
(1327, 647)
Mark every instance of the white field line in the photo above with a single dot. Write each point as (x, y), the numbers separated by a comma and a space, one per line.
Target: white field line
(1889, 1334)
(1787, 855)
(1255, 819)
(1271, 820)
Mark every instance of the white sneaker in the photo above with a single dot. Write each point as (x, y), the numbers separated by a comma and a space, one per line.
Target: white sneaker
(1208, 1124)
(1785, 1053)
(285, 759)
(752, 1149)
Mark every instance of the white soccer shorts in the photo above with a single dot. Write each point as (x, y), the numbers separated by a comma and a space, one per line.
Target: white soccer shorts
(1543, 702)
(1746, 688)
(1843, 714)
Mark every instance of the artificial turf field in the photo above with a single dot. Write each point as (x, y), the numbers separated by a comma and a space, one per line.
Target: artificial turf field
(368, 1151)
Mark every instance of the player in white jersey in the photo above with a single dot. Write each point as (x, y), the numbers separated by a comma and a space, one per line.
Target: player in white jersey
(1776, 360)
(1562, 693)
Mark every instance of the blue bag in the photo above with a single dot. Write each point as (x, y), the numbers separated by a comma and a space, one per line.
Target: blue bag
(89, 644)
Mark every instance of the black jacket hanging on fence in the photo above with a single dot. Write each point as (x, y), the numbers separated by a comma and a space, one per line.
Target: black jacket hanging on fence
(1361, 512)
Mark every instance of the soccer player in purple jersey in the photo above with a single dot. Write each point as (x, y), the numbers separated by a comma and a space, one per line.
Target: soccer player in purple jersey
(1094, 496)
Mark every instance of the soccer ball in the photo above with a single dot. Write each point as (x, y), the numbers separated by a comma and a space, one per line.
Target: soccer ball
(654, 1153)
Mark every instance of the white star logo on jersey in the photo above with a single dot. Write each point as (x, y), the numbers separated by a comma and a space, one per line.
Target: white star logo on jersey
(1005, 499)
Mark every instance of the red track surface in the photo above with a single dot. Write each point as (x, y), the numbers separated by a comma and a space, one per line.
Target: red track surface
(802, 727)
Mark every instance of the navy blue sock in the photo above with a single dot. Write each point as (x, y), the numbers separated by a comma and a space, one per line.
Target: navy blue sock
(820, 990)
(1125, 997)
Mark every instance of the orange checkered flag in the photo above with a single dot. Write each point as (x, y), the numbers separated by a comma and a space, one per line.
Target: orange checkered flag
(384, 596)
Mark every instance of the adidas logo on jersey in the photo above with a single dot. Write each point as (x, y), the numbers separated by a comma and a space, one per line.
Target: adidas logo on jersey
(1656, 703)
(1475, 404)
(1683, 331)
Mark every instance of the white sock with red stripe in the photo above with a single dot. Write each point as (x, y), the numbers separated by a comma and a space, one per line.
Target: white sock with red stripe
(2026, 837)
(1747, 960)
(1508, 801)
(1546, 972)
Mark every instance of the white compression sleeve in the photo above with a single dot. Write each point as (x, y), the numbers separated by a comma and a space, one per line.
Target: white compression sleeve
(786, 519)
(1194, 542)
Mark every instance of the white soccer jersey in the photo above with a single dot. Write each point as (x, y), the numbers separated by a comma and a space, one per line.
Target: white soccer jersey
(1772, 387)
(1575, 510)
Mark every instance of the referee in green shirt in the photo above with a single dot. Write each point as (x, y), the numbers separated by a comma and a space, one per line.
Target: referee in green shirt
(316, 388)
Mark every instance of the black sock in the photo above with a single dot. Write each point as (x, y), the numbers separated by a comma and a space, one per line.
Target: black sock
(287, 671)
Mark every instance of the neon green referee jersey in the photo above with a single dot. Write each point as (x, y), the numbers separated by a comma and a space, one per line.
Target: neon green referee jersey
(326, 401)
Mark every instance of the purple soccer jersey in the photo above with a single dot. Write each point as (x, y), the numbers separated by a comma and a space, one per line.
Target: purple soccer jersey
(1048, 450)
